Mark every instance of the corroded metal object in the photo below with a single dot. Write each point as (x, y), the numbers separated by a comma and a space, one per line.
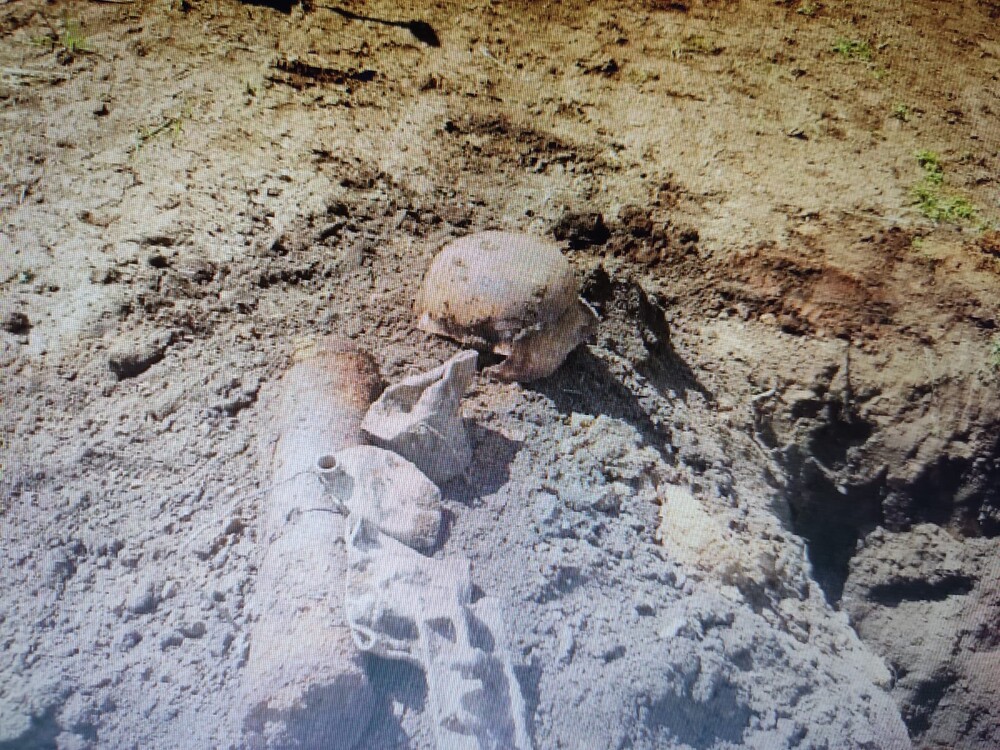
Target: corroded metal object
(512, 294)
(305, 684)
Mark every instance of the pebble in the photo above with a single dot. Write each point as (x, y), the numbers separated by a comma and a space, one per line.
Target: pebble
(133, 354)
(567, 644)
(173, 638)
(604, 499)
(143, 599)
(220, 644)
(59, 567)
(613, 654)
(14, 321)
(193, 630)
(645, 609)
(129, 639)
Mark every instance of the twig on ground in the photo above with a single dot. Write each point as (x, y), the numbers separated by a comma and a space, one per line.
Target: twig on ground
(26, 73)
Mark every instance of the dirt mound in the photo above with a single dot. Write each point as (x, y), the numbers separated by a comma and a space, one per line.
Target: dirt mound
(713, 527)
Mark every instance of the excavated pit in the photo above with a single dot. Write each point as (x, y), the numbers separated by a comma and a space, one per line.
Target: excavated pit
(831, 518)
(903, 549)
(198, 189)
(837, 494)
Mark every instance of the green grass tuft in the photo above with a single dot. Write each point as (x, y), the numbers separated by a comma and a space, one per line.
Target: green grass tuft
(994, 356)
(932, 201)
(952, 209)
(71, 40)
(853, 49)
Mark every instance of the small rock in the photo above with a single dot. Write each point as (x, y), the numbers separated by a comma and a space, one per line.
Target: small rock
(236, 299)
(236, 393)
(613, 654)
(14, 321)
(194, 630)
(220, 644)
(197, 270)
(59, 567)
(171, 639)
(791, 324)
(582, 229)
(567, 644)
(456, 215)
(143, 599)
(635, 220)
(604, 499)
(133, 354)
(129, 639)
(106, 548)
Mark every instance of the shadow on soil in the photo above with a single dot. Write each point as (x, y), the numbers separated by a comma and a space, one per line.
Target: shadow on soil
(490, 466)
(585, 385)
(41, 735)
(400, 688)
(668, 372)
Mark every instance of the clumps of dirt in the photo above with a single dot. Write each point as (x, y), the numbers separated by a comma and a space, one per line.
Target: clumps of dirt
(131, 355)
(953, 489)
(489, 142)
(927, 601)
(634, 320)
(300, 75)
(583, 533)
(890, 465)
(648, 235)
(805, 297)
(816, 430)
(651, 239)
(987, 247)
(581, 229)
(14, 321)
(801, 296)
(668, 5)
(863, 444)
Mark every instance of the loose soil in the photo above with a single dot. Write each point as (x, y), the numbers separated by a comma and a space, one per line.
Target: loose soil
(189, 191)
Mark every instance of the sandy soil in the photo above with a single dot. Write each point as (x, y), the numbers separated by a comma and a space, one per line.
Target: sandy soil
(785, 212)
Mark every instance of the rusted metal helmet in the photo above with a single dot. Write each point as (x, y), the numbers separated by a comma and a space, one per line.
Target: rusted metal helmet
(512, 294)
